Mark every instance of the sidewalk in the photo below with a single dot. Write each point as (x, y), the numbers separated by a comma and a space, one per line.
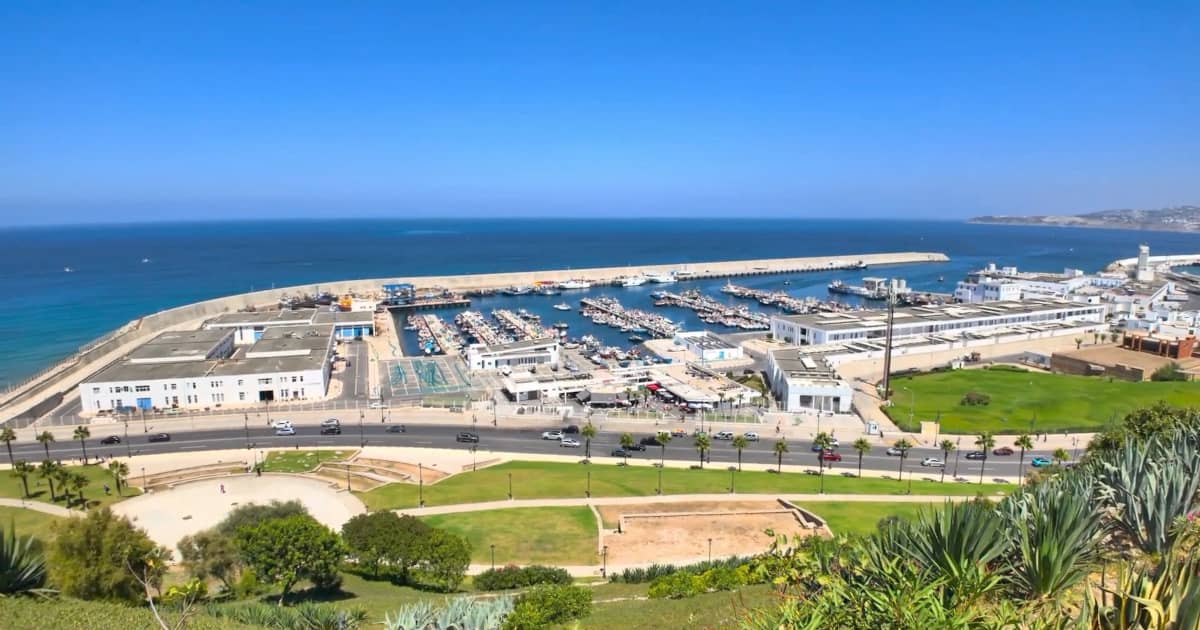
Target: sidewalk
(38, 506)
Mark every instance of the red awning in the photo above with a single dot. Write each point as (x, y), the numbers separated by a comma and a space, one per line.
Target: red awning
(654, 387)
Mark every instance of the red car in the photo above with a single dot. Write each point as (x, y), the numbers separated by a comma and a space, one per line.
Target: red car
(1003, 450)
(830, 456)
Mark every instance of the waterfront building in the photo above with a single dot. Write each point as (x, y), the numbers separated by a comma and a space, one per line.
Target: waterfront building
(249, 326)
(510, 356)
(707, 346)
(806, 381)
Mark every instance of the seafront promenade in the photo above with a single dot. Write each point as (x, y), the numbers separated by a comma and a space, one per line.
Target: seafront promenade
(23, 403)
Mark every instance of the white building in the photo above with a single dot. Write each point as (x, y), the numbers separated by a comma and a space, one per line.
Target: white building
(951, 320)
(806, 381)
(707, 346)
(513, 355)
(987, 290)
(249, 327)
(204, 369)
(1144, 271)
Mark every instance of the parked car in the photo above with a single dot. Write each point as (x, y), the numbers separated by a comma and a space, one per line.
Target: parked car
(331, 422)
(466, 436)
(933, 462)
(1039, 462)
(750, 436)
(1003, 450)
(723, 435)
(159, 437)
(331, 430)
(552, 435)
(112, 439)
(830, 456)
(378, 404)
(569, 443)
(396, 428)
(620, 452)
(650, 441)
(285, 430)
(894, 451)
(977, 455)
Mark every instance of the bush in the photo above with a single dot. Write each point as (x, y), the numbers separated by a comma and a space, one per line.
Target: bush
(98, 557)
(724, 578)
(676, 586)
(1169, 372)
(655, 571)
(975, 398)
(548, 605)
(513, 576)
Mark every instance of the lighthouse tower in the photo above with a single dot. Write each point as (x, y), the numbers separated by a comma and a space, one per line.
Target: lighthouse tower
(1145, 272)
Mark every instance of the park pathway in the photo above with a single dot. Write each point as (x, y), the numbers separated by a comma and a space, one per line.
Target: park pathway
(38, 506)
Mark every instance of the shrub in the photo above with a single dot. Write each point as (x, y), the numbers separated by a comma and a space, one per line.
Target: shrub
(548, 605)
(676, 586)
(513, 576)
(975, 398)
(724, 578)
(102, 556)
(1169, 372)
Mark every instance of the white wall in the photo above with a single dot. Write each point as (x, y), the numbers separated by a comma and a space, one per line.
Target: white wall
(204, 392)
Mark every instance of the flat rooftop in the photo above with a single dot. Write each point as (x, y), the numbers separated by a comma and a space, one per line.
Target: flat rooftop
(709, 341)
(192, 345)
(263, 318)
(293, 339)
(930, 314)
(343, 317)
(517, 346)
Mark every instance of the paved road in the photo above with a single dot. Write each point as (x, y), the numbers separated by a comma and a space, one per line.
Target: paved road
(373, 432)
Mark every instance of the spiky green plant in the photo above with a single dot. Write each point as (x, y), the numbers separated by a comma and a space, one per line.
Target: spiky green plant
(958, 542)
(22, 565)
(1057, 542)
(1149, 486)
(459, 613)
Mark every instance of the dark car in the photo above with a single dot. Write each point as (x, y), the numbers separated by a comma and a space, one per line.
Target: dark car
(159, 437)
(574, 428)
(1003, 450)
(977, 455)
(636, 447)
(830, 456)
(396, 428)
(466, 437)
(651, 441)
(333, 430)
(620, 452)
(112, 439)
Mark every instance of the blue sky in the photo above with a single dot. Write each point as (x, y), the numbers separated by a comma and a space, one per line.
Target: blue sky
(129, 111)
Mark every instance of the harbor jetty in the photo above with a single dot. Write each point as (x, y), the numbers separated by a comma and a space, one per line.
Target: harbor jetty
(711, 311)
(522, 325)
(434, 336)
(782, 300)
(478, 328)
(608, 311)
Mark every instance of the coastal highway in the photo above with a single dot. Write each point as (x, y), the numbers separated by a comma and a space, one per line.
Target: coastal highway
(515, 441)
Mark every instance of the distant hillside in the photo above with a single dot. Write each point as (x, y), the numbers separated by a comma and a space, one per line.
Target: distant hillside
(1176, 219)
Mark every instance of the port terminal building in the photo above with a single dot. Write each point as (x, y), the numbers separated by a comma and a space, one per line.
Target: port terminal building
(207, 369)
(707, 346)
(248, 327)
(514, 355)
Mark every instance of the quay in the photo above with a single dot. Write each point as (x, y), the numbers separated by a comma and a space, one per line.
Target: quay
(432, 329)
(521, 327)
(711, 311)
(631, 318)
(474, 324)
(791, 304)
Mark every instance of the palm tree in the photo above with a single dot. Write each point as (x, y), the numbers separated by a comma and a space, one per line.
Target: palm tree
(904, 445)
(781, 447)
(46, 471)
(81, 434)
(721, 405)
(664, 439)
(823, 442)
(863, 446)
(119, 472)
(22, 469)
(46, 437)
(78, 482)
(589, 432)
(1023, 442)
(63, 477)
(626, 445)
(946, 446)
(8, 436)
(740, 442)
(702, 446)
(1061, 455)
(985, 442)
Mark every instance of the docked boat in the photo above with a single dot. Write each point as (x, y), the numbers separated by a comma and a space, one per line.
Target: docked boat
(562, 306)
(636, 338)
(575, 283)
(837, 286)
(662, 278)
(562, 325)
(518, 291)
(633, 281)
(547, 290)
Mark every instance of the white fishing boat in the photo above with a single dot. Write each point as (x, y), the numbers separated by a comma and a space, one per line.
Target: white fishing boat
(633, 281)
(575, 283)
(562, 306)
(662, 278)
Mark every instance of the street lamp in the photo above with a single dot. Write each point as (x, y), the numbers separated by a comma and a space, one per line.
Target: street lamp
(710, 551)
(473, 447)
(912, 406)
(588, 492)
(493, 557)
(660, 469)
(420, 485)
(730, 480)
(347, 476)
(604, 560)
(510, 486)
(362, 437)
(246, 426)
(128, 448)
(144, 489)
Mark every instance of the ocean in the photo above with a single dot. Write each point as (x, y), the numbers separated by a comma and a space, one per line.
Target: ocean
(47, 312)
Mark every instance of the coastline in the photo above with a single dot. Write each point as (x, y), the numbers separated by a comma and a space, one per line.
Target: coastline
(1091, 226)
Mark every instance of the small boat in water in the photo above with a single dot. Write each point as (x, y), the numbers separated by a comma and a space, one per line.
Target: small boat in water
(575, 283)
(518, 291)
(562, 306)
(562, 325)
(67, 270)
(633, 281)
(636, 338)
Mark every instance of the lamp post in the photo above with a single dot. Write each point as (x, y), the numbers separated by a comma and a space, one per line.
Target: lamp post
(246, 426)
(604, 561)
(143, 479)
(731, 480)
(420, 485)
(510, 486)
(362, 437)
(588, 492)
(660, 469)
(912, 406)
(473, 447)
(710, 551)
(128, 448)
(493, 557)
(145, 429)
(347, 465)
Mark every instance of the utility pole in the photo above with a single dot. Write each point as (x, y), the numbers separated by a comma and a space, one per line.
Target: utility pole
(887, 349)
(246, 426)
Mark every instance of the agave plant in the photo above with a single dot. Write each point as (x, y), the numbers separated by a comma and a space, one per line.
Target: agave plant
(958, 543)
(22, 565)
(1166, 596)
(1150, 486)
(1058, 543)
(460, 613)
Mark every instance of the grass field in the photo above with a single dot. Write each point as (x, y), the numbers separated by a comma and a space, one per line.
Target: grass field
(861, 518)
(301, 461)
(29, 523)
(39, 488)
(1059, 402)
(538, 480)
(545, 535)
(711, 610)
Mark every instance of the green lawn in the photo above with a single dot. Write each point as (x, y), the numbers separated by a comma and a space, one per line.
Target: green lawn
(1059, 402)
(29, 523)
(861, 518)
(39, 489)
(711, 610)
(301, 461)
(538, 480)
(546, 535)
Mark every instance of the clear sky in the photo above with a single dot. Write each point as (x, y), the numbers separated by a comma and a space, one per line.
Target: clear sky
(113, 111)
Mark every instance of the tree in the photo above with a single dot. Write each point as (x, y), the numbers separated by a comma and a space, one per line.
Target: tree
(823, 442)
(63, 477)
(664, 439)
(703, 444)
(209, 554)
(284, 551)
(985, 442)
(1060, 456)
(780, 448)
(46, 471)
(626, 445)
(380, 540)
(101, 555)
(22, 564)
(77, 482)
(1078, 342)
(46, 437)
(82, 434)
(1023, 442)
(740, 442)
(947, 446)
(903, 445)
(1114, 336)
(444, 559)
(862, 446)
(8, 436)
(253, 513)
(1169, 372)
(120, 471)
(589, 433)
(22, 469)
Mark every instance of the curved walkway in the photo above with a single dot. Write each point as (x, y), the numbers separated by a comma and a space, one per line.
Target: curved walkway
(38, 506)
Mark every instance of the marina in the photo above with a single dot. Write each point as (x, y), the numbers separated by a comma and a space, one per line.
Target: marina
(479, 329)
(434, 336)
(522, 324)
(609, 311)
(712, 311)
(785, 301)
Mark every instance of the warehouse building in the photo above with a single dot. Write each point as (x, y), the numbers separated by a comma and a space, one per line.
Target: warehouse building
(803, 380)
(249, 326)
(707, 346)
(510, 356)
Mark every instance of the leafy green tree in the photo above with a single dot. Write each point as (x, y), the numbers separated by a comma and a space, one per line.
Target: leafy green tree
(384, 540)
(824, 442)
(284, 551)
(549, 605)
(903, 445)
(444, 559)
(101, 556)
(1061, 456)
(947, 447)
(703, 444)
(209, 554)
(46, 438)
(254, 513)
(22, 565)
(82, 434)
(1169, 372)
(8, 436)
(22, 470)
(985, 442)
(63, 477)
(862, 446)
(626, 445)
(589, 433)
(120, 471)
(781, 447)
(1023, 442)
(740, 442)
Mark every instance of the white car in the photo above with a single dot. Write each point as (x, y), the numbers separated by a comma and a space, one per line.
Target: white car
(281, 424)
(894, 451)
(750, 436)
(723, 435)
(288, 430)
(378, 404)
(569, 443)
(552, 435)
(933, 462)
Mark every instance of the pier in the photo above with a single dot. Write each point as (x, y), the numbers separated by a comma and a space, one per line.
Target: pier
(610, 312)
(782, 300)
(474, 324)
(431, 327)
(711, 311)
(521, 327)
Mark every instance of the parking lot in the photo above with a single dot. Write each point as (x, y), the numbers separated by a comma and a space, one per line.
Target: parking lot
(421, 376)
